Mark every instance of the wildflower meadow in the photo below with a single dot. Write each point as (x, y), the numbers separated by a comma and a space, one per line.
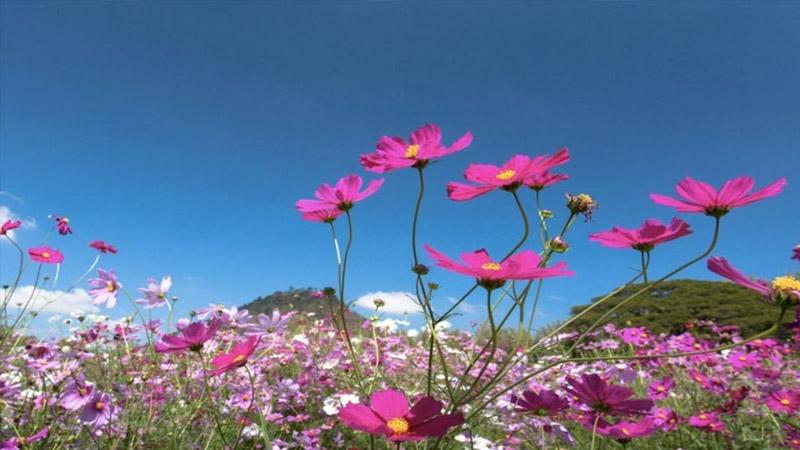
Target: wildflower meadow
(223, 378)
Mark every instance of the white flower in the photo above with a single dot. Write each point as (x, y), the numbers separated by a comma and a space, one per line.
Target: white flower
(412, 333)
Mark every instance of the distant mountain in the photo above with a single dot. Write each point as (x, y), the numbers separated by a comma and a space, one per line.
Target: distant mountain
(302, 301)
(672, 304)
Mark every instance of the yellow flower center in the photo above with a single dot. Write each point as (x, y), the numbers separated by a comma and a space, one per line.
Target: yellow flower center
(785, 402)
(506, 174)
(398, 425)
(412, 150)
(703, 416)
(239, 358)
(661, 389)
(161, 296)
(99, 405)
(111, 287)
(490, 266)
(786, 284)
(45, 254)
(625, 431)
(585, 198)
(743, 358)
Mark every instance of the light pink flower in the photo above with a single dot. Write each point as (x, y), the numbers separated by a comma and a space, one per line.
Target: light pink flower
(423, 146)
(702, 197)
(509, 176)
(342, 196)
(105, 287)
(155, 294)
(45, 255)
(644, 238)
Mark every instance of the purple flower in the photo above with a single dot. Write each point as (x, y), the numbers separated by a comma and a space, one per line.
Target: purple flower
(98, 411)
(155, 294)
(269, 324)
(545, 403)
(659, 389)
(603, 398)
(17, 442)
(191, 337)
(105, 288)
(77, 394)
(708, 422)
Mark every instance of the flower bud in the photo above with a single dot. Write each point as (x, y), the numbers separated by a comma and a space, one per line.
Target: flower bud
(545, 214)
(558, 245)
(420, 269)
(581, 204)
(379, 303)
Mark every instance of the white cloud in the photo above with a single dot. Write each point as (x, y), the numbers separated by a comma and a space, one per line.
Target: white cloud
(464, 307)
(46, 301)
(12, 197)
(395, 302)
(7, 214)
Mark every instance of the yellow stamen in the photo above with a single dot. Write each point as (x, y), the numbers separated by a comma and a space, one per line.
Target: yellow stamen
(411, 151)
(490, 266)
(506, 174)
(743, 358)
(45, 255)
(785, 402)
(239, 358)
(99, 405)
(625, 431)
(661, 389)
(786, 284)
(111, 287)
(398, 425)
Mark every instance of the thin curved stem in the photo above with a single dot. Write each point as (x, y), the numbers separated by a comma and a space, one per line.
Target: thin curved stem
(525, 224)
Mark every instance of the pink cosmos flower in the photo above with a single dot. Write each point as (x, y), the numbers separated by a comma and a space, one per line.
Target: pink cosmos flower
(191, 337)
(491, 274)
(792, 436)
(660, 389)
(342, 196)
(635, 335)
(62, 224)
(644, 238)
(16, 443)
(702, 197)
(782, 289)
(708, 422)
(784, 401)
(389, 415)
(99, 411)
(323, 215)
(105, 287)
(665, 418)
(603, 398)
(625, 431)
(423, 146)
(796, 251)
(545, 403)
(103, 247)
(45, 255)
(236, 357)
(155, 294)
(9, 225)
(509, 176)
(742, 360)
(541, 180)
(77, 393)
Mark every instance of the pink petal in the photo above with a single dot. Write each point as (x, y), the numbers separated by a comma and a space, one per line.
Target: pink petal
(389, 404)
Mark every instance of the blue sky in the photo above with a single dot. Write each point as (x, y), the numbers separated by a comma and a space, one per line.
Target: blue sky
(184, 132)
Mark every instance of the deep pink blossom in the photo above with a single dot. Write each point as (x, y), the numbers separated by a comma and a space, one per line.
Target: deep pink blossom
(191, 337)
(323, 215)
(62, 224)
(423, 146)
(665, 418)
(782, 289)
(796, 252)
(236, 357)
(741, 360)
(660, 389)
(389, 415)
(103, 247)
(524, 265)
(9, 225)
(544, 403)
(635, 335)
(105, 288)
(651, 233)
(624, 431)
(702, 197)
(16, 443)
(541, 180)
(792, 436)
(785, 401)
(342, 196)
(708, 422)
(509, 176)
(45, 255)
(603, 398)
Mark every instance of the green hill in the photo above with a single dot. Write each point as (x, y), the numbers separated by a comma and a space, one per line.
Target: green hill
(302, 301)
(674, 303)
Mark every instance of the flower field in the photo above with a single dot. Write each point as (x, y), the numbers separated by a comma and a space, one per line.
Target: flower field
(225, 379)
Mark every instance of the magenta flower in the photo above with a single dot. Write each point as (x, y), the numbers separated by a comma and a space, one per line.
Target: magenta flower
(491, 274)
(625, 431)
(9, 225)
(651, 233)
(155, 294)
(792, 436)
(603, 398)
(45, 255)
(105, 287)
(389, 415)
(708, 422)
(545, 403)
(665, 418)
(191, 337)
(783, 401)
(635, 336)
(702, 197)
(98, 411)
(103, 247)
(796, 252)
(423, 146)
(509, 176)
(323, 215)
(62, 224)
(77, 393)
(783, 289)
(660, 389)
(16, 443)
(236, 357)
(742, 360)
(541, 180)
(342, 196)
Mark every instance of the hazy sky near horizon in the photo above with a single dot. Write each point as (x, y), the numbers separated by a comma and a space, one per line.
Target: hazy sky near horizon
(183, 133)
